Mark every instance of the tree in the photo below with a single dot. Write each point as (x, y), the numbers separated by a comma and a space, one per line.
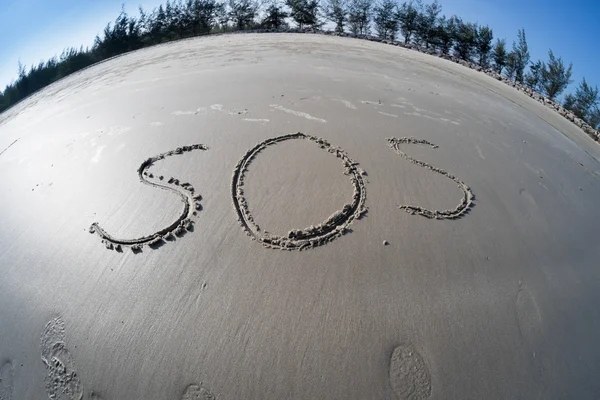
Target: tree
(569, 102)
(359, 16)
(593, 118)
(274, 17)
(304, 12)
(204, 15)
(241, 13)
(465, 39)
(171, 19)
(555, 78)
(336, 11)
(511, 65)
(521, 52)
(385, 21)
(119, 38)
(427, 18)
(584, 102)
(158, 24)
(185, 18)
(499, 55)
(408, 16)
(143, 21)
(483, 44)
(534, 79)
(445, 33)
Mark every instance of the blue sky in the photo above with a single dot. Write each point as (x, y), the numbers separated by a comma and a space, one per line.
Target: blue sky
(570, 28)
(35, 30)
(32, 30)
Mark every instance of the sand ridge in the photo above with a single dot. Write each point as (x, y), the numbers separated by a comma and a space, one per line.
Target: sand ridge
(299, 239)
(179, 227)
(467, 200)
(8, 147)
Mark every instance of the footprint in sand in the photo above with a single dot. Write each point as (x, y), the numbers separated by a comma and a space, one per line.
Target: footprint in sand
(530, 328)
(195, 392)
(465, 203)
(528, 316)
(62, 381)
(6, 381)
(409, 375)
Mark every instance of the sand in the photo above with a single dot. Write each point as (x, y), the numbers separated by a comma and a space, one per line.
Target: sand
(363, 156)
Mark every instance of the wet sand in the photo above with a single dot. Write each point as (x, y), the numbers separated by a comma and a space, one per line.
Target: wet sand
(448, 227)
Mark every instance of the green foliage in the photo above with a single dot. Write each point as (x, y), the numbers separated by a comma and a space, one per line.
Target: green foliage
(584, 103)
(555, 77)
(124, 36)
(173, 21)
(242, 13)
(445, 33)
(43, 74)
(274, 17)
(304, 12)
(483, 44)
(336, 11)
(593, 118)
(408, 17)
(359, 16)
(465, 39)
(427, 19)
(521, 54)
(385, 20)
(499, 55)
(534, 78)
(511, 66)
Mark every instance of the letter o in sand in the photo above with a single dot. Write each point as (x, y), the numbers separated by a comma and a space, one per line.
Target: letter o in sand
(299, 239)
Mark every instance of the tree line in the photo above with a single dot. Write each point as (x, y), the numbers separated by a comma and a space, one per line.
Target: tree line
(417, 23)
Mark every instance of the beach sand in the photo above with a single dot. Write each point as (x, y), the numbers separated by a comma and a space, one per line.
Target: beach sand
(423, 232)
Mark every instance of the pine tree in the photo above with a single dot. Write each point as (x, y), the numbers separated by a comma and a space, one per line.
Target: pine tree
(159, 24)
(408, 16)
(304, 12)
(179, 20)
(499, 55)
(359, 16)
(336, 11)
(534, 79)
(274, 17)
(584, 102)
(170, 22)
(511, 65)
(242, 13)
(427, 23)
(593, 118)
(206, 14)
(445, 33)
(142, 22)
(465, 39)
(384, 20)
(483, 44)
(521, 52)
(555, 78)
